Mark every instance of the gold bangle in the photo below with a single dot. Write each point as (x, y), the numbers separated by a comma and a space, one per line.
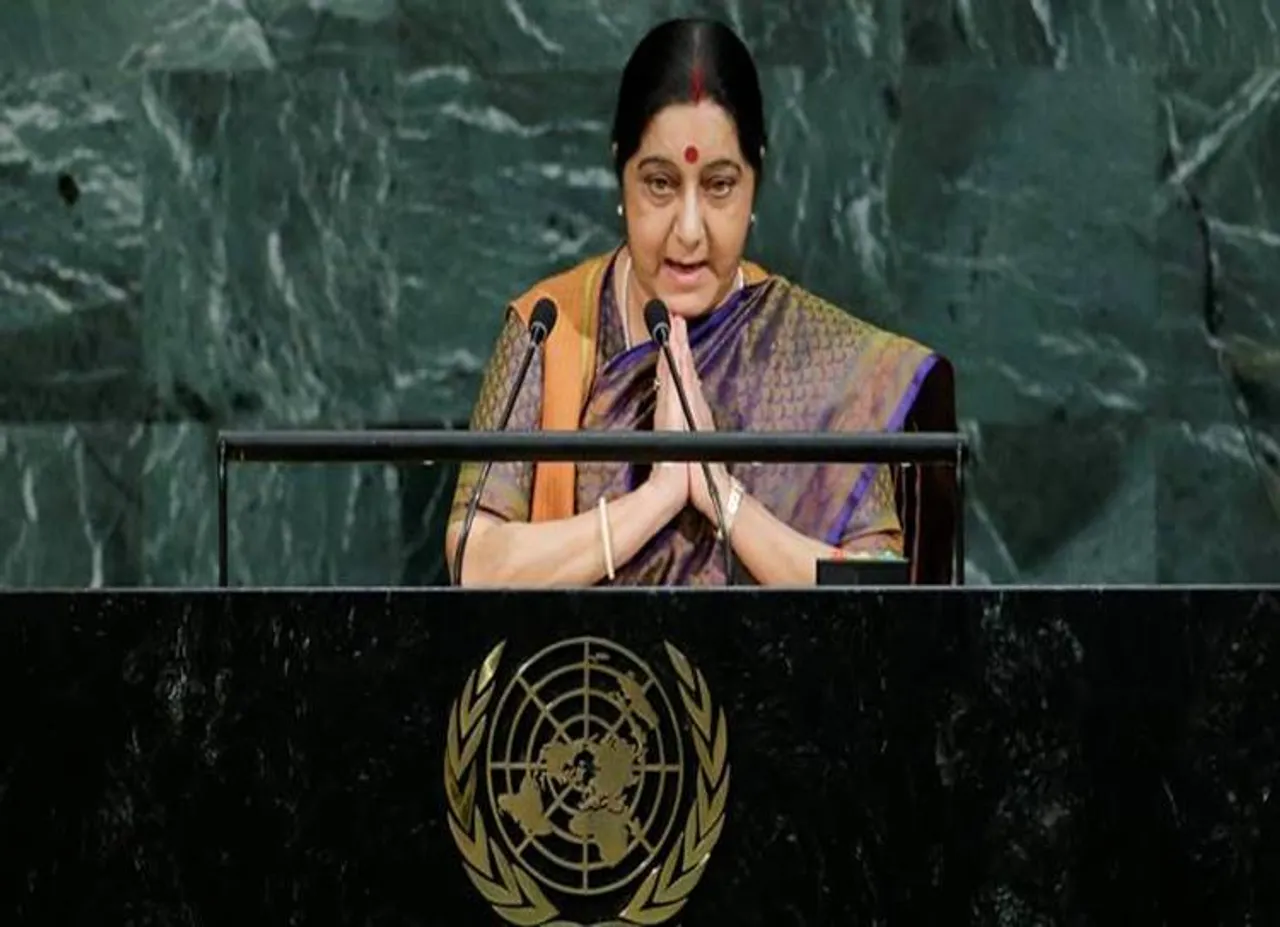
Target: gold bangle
(605, 539)
(736, 492)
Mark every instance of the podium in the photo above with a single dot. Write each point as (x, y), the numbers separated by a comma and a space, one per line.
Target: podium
(747, 757)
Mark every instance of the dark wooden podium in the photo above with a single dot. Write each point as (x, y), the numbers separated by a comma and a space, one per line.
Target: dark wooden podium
(918, 756)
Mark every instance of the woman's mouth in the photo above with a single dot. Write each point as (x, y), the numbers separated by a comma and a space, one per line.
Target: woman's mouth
(684, 272)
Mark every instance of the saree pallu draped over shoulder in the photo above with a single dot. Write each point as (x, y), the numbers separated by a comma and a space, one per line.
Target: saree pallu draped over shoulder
(772, 358)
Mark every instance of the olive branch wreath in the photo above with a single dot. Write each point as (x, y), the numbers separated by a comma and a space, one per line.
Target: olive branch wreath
(512, 892)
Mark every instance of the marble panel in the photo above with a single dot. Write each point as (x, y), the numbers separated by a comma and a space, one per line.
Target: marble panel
(1219, 33)
(71, 249)
(271, 294)
(502, 181)
(1220, 311)
(1042, 33)
(70, 512)
(515, 37)
(1063, 503)
(1021, 208)
(823, 210)
(1218, 504)
(217, 35)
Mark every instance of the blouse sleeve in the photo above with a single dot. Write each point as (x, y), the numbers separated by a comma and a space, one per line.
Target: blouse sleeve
(874, 525)
(509, 488)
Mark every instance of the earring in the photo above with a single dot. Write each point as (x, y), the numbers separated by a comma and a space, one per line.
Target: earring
(619, 210)
(753, 218)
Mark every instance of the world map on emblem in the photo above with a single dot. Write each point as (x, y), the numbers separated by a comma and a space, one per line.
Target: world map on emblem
(585, 767)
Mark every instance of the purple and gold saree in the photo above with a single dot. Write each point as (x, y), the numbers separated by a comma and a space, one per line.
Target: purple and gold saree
(773, 357)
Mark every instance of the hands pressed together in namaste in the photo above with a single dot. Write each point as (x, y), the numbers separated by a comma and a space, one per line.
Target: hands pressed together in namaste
(684, 480)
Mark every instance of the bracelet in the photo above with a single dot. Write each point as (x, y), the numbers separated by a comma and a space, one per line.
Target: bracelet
(736, 492)
(605, 539)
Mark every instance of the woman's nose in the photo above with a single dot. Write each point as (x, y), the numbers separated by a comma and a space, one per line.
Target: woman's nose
(689, 222)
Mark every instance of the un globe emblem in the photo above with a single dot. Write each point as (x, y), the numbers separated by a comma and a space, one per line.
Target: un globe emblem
(580, 780)
(591, 800)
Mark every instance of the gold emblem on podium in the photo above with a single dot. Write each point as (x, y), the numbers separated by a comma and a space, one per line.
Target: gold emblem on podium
(571, 789)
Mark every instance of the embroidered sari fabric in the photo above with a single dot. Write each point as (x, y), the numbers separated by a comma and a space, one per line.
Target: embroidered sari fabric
(772, 358)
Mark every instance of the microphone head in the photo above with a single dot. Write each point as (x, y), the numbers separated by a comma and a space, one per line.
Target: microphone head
(658, 320)
(542, 319)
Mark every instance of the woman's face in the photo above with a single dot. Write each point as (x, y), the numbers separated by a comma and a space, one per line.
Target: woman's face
(687, 195)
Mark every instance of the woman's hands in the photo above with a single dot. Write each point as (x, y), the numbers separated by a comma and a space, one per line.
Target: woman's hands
(699, 495)
(684, 481)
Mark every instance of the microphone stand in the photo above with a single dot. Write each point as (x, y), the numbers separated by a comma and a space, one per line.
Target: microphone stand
(539, 328)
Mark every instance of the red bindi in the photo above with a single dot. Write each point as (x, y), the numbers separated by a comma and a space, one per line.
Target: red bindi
(691, 154)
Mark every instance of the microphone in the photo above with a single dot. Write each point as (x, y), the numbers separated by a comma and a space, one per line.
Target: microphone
(658, 321)
(541, 321)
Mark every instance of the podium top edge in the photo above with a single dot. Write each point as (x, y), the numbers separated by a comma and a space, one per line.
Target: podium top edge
(386, 445)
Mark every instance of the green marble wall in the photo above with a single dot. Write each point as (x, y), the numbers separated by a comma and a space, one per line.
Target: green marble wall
(276, 213)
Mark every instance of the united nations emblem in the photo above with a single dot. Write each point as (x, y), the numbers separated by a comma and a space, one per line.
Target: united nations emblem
(591, 802)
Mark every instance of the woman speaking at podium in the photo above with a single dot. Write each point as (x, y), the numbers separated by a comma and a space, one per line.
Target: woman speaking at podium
(754, 351)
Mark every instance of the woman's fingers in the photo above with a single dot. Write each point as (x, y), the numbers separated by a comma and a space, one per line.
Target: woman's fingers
(667, 413)
(664, 371)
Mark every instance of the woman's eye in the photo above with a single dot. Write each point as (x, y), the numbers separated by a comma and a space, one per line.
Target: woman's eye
(659, 185)
(721, 187)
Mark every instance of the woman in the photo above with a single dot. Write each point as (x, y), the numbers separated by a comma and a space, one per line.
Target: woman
(755, 352)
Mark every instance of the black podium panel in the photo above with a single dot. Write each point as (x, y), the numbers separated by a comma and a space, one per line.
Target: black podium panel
(704, 758)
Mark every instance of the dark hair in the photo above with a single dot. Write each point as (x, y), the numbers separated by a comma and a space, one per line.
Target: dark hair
(680, 61)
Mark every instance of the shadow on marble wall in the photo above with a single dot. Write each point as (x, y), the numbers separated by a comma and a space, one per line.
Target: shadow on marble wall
(276, 214)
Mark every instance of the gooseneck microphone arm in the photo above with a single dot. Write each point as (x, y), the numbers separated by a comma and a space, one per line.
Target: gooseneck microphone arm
(541, 321)
(658, 320)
